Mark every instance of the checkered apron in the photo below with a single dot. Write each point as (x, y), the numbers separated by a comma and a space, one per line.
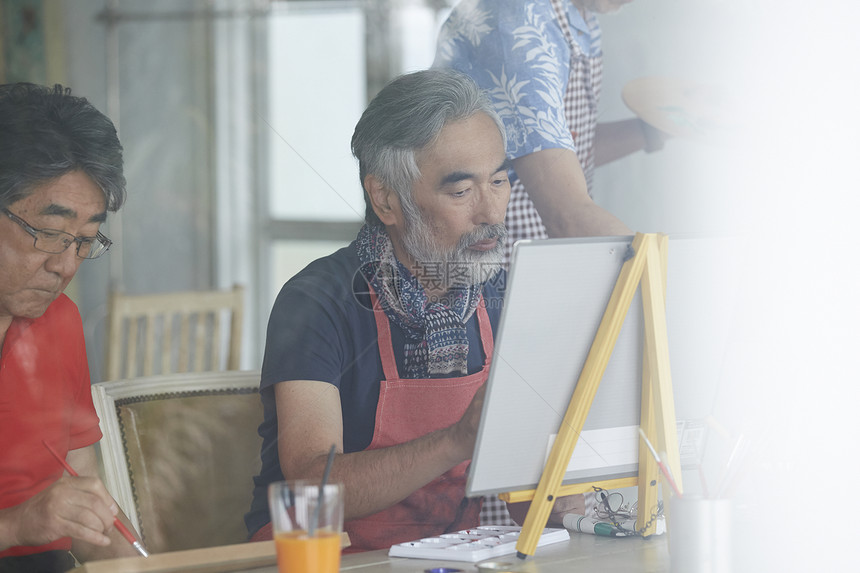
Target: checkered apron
(522, 220)
(580, 111)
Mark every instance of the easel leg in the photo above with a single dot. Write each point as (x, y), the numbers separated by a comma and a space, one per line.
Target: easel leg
(648, 470)
(661, 414)
(656, 379)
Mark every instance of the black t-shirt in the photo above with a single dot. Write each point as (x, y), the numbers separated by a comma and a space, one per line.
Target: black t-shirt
(321, 328)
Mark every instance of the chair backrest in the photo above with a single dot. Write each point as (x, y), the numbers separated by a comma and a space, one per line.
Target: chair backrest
(173, 332)
(179, 453)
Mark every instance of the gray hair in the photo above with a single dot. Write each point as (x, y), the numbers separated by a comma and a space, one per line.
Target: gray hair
(46, 133)
(404, 118)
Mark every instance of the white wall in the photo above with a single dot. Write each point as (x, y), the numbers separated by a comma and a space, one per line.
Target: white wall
(686, 186)
(787, 181)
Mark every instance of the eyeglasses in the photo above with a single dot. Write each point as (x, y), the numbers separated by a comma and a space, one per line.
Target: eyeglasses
(55, 242)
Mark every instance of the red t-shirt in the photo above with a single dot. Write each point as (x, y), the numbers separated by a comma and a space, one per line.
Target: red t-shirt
(44, 395)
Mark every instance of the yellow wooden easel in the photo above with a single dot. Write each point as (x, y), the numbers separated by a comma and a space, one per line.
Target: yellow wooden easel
(657, 418)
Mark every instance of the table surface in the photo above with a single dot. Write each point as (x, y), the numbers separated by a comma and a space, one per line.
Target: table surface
(581, 553)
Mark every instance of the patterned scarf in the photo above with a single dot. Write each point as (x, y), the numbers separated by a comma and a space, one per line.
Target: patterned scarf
(436, 344)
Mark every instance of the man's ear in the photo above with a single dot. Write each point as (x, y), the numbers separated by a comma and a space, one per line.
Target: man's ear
(382, 198)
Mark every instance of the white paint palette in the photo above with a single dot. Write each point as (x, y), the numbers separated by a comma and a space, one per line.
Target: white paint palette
(472, 545)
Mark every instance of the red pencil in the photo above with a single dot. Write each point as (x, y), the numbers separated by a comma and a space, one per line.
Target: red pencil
(116, 522)
(665, 470)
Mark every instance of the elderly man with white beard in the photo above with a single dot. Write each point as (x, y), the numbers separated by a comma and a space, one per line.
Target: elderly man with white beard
(383, 347)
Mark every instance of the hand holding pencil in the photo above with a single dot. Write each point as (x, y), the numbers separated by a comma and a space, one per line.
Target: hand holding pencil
(119, 525)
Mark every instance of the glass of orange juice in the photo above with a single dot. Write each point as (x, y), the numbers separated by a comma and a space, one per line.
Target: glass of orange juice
(306, 524)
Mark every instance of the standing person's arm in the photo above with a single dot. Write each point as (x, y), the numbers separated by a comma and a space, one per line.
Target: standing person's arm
(554, 181)
(616, 139)
(309, 422)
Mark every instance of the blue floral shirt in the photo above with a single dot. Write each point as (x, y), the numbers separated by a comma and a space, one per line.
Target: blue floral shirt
(516, 51)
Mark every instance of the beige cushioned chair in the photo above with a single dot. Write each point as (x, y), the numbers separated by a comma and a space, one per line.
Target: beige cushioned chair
(179, 453)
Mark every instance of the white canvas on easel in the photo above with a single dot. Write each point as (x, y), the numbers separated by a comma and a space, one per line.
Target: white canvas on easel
(556, 294)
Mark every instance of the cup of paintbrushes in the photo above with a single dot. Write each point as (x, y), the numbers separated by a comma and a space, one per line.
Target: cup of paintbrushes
(307, 520)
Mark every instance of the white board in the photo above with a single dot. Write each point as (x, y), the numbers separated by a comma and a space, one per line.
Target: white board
(556, 294)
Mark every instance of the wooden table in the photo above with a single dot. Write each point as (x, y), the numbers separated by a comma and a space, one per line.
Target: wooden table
(586, 553)
(582, 553)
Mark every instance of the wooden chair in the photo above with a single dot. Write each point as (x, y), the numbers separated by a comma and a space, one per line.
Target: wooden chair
(173, 332)
(179, 453)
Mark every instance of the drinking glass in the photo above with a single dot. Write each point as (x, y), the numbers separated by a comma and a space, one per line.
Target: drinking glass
(306, 524)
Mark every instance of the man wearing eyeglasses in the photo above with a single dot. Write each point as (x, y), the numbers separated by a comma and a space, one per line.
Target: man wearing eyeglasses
(60, 173)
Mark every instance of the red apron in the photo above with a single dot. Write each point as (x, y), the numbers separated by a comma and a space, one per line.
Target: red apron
(408, 409)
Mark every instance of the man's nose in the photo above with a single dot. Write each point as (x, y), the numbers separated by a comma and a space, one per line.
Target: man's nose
(66, 263)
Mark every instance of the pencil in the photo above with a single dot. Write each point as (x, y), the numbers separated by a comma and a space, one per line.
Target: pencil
(661, 465)
(731, 465)
(116, 522)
